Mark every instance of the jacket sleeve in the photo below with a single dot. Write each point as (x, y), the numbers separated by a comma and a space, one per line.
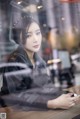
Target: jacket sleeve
(26, 100)
(31, 98)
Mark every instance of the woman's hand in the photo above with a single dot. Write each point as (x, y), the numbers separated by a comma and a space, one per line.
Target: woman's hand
(75, 89)
(65, 101)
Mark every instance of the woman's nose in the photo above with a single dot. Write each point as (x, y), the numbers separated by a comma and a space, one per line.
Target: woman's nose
(35, 38)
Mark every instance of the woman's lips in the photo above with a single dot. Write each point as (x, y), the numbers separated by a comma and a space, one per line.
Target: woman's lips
(36, 46)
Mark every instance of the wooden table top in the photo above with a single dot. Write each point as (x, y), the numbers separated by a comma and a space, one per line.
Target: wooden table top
(50, 114)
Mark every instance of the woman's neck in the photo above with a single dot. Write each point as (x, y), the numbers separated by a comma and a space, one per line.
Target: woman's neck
(30, 55)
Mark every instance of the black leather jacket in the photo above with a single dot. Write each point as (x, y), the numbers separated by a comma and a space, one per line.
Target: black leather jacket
(32, 89)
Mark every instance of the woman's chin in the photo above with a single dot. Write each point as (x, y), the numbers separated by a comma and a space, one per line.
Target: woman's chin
(36, 49)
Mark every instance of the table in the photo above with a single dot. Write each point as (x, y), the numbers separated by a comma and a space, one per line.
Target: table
(50, 114)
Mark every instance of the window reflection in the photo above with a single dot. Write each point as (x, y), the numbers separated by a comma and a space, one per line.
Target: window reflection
(58, 26)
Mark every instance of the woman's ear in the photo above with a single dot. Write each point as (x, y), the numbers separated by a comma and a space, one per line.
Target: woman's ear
(21, 38)
(20, 35)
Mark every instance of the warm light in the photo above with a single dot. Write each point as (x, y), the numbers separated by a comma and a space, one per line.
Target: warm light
(19, 2)
(62, 18)
(39, 7)
(54, 61)
(70, 39)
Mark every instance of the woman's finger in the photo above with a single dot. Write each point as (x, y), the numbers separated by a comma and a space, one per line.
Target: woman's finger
(73, 104)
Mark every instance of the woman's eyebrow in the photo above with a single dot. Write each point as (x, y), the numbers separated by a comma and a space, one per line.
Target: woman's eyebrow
(37, 30)
(34, 31)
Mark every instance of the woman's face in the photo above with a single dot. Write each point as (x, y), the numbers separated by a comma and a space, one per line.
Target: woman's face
(33, 38)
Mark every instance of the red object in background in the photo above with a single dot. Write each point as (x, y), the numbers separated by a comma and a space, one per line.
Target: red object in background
(47, 51)
(69, 1)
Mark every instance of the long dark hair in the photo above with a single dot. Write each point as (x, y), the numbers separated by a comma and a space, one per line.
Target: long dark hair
(26, 22)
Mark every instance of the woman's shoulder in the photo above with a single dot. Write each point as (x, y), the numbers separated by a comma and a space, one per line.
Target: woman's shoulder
(16, 55)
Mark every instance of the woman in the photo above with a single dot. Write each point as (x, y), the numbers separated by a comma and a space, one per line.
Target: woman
(26, 53)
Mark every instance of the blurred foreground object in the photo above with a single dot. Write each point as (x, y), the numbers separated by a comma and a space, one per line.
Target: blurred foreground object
(76, 62)
(63, 68)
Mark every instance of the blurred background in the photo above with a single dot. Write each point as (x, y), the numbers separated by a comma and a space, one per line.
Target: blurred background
(60, 26)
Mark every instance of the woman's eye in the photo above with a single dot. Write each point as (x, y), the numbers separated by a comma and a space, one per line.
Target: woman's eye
(38, 32)
(28, 35)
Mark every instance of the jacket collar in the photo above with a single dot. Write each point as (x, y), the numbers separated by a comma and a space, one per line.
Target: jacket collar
(38, 60)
